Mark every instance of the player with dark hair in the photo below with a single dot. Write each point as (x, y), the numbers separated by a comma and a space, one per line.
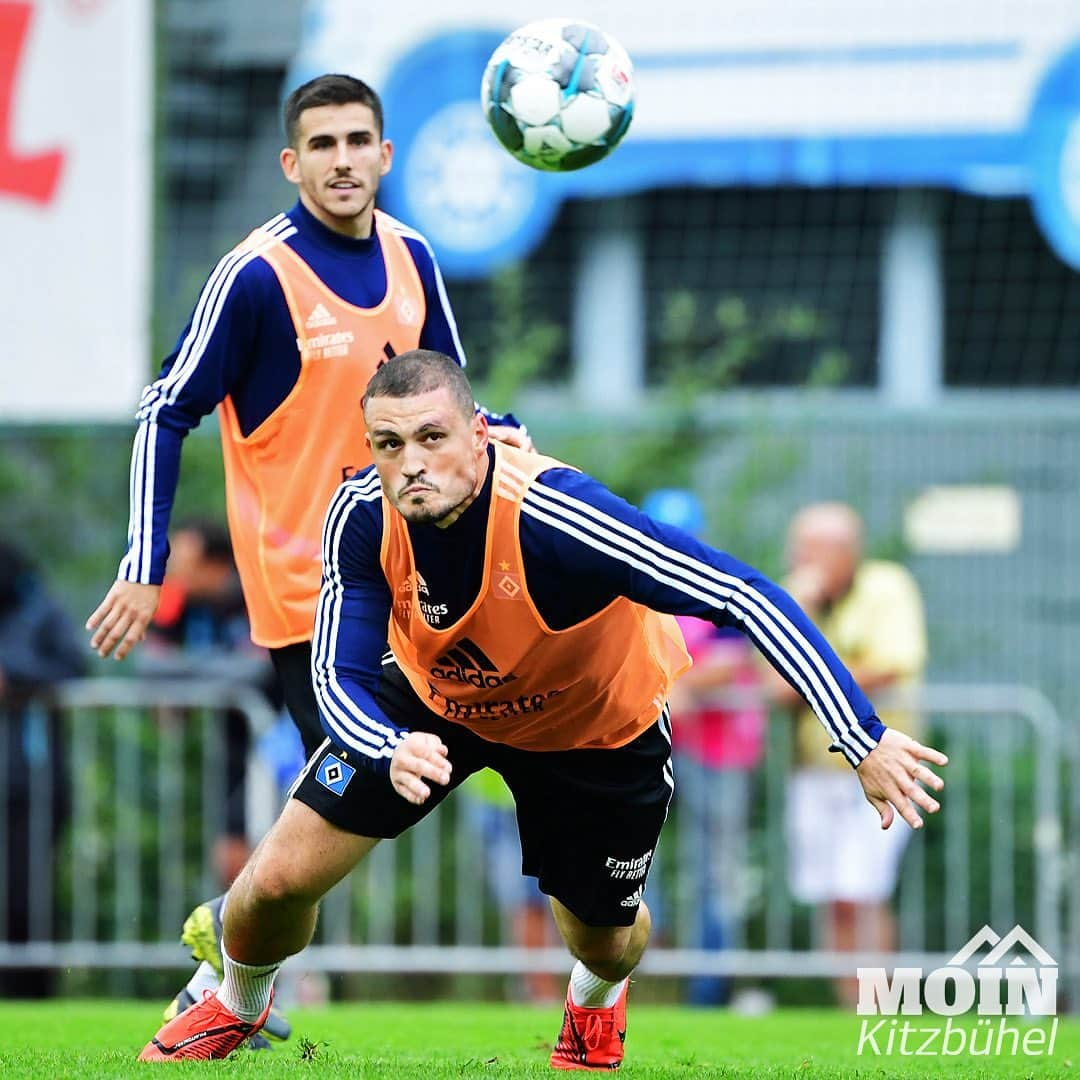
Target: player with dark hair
(328, 90)
(287, 331)
(520, 599)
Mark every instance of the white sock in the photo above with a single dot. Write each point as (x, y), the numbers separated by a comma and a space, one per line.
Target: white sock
(589, 991)
(245, 989)
(205, 978)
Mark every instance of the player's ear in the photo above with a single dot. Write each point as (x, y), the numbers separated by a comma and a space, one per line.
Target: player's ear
(480, 431)
(290, 165)
(387, 157)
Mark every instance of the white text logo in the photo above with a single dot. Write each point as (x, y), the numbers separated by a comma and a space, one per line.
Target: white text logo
(1027, 980)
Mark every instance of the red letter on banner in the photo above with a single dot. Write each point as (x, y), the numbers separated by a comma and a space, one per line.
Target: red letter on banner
(33, 176)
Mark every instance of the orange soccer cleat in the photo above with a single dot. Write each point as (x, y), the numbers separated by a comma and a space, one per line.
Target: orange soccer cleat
(591, 1038)
(202, 1032)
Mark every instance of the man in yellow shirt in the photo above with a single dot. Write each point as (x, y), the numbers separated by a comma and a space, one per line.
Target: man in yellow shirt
(872, 613)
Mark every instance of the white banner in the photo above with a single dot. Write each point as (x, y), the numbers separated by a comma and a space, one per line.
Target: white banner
(76, 111)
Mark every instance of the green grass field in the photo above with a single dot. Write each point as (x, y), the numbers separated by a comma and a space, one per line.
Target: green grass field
(101, 1039)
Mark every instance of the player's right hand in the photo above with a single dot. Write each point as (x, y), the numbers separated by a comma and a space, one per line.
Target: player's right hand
(419, 756)
(121, 619)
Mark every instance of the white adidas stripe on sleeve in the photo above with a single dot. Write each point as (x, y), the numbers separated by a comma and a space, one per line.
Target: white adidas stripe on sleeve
(767, 625)
(135, 565)
(351, 726)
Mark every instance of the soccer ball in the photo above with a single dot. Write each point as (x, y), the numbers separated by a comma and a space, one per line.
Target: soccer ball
(559, 94)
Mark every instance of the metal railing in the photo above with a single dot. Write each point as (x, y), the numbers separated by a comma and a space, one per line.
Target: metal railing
(110, 883)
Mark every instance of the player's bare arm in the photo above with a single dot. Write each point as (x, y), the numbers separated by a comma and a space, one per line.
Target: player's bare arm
(419, 756)
(893, 773)
(120, 620)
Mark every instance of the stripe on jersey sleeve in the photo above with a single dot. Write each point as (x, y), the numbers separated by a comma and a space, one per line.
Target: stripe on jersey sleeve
(767, 625)
(136, 564)
(351, 726)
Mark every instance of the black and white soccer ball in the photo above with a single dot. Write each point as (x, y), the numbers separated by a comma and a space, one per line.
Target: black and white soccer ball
(559, 94)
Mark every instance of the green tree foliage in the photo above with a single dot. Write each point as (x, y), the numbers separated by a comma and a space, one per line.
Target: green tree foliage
(703, 349)
(522, 347)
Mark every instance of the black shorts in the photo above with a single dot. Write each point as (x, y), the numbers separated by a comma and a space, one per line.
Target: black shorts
(589, 819)
(293, 666)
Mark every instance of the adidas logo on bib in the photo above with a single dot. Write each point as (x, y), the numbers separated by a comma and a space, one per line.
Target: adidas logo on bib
(319, 317)
(466, 662)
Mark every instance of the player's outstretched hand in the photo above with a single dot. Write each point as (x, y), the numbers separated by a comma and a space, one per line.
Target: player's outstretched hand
(419, 756)
(892, 775)
(511, 436)
(121, 619)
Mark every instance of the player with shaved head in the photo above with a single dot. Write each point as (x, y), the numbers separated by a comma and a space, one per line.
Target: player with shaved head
(530, 618)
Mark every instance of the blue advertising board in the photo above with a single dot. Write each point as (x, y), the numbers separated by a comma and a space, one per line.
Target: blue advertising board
(873, 94)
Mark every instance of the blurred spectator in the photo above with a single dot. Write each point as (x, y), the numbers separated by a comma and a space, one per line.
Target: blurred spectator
(715, 747)
(525, 916)
(39, 648)
(201, 628)
(871, 612)
(201, 606)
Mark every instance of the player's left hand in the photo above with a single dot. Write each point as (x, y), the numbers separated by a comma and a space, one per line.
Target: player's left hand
(892, 775)
(511, 436)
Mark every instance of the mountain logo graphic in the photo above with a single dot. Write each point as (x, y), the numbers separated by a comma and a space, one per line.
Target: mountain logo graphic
(1016, 968)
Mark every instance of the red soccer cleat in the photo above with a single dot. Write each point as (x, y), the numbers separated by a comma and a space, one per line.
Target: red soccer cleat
(204, 1032)
(591, 1038)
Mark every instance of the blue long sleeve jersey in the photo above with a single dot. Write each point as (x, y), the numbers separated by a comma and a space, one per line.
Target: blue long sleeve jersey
(582, 547)
(240, 342)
